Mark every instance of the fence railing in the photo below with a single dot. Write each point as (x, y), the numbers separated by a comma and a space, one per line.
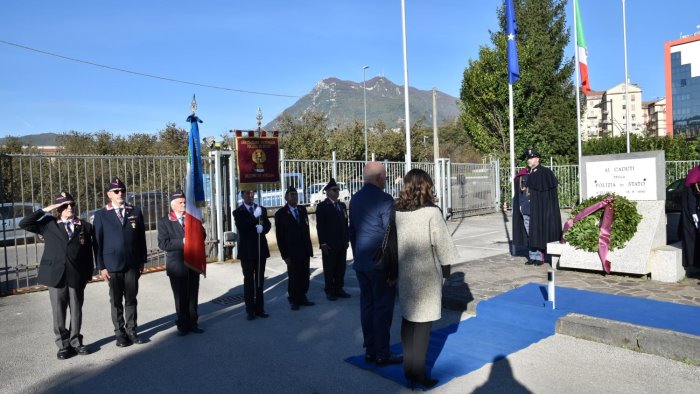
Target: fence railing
(30, 181)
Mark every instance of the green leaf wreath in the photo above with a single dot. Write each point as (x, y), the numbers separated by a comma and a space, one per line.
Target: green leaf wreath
(584, 233)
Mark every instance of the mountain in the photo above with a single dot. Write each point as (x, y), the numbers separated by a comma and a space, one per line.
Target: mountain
(342, 102)
(43, 139)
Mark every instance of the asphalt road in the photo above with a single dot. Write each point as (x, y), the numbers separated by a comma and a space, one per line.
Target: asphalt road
(291, 352)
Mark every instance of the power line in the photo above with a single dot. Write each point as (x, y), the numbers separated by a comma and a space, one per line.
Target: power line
(143, 74)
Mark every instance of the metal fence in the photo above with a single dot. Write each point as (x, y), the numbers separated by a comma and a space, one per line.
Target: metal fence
(29, 182)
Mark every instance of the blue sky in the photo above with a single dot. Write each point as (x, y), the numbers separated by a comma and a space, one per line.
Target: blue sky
(272, 46)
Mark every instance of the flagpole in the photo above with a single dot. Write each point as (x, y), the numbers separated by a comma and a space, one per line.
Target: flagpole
(627, 93)
(578, 105)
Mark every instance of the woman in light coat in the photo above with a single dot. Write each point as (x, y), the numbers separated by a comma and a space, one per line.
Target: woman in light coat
(425, 252)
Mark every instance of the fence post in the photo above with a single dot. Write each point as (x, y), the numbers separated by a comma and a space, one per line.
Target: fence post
(335, 167)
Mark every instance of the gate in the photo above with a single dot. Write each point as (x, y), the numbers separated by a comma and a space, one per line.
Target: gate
(473, 188)
(29, 182)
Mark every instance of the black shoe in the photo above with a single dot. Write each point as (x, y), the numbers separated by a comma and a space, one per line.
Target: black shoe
(529, 262)
(82, 350)
(135, 339)
(425, 383)
(250, 316)
(123, 341)
(370, 358)
(342, 294)
(295, 307)
(331, 297)
(392, 359)
(306, 302)
(181, 333)
(262, 314)
(537, 263)
(66, 353)
(196, 330)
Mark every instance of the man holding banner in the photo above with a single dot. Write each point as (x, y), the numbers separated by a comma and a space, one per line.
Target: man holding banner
(252, 224)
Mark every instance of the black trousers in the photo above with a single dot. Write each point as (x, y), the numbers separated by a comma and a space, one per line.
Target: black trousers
(414, 339)
(298, 284)
(123, 288)
(376, 311)
(186, 293)
(334, 269)
(253, 285)
(64, 297)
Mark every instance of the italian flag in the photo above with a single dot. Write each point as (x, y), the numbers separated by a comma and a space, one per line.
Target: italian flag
(582, 49)
(194, 253)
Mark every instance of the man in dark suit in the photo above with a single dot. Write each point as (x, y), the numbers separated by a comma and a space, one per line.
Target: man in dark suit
(252, 224)
(370, 212)
(184, 281)
(65, 267)
(332, 230)
(120, 250)
(294, 242)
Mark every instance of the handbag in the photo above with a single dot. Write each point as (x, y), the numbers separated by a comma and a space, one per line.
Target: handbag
(386, 257)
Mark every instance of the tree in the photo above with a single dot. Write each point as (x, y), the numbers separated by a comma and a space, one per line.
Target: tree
(173, 141)
(543, 97)
(349, 142)
(305, 138)
(12, 144)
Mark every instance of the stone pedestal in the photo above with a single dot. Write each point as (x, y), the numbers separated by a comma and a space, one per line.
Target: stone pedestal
(645, 253)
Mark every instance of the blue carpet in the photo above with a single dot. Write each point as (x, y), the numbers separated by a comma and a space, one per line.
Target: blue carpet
(516, 319)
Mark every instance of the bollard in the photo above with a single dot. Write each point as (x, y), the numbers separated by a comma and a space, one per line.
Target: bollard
(550, 288)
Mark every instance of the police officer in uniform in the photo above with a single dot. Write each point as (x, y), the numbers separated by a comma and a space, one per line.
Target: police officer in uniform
(120, 250)
(294, 242)
(332, 230)
(66, 266)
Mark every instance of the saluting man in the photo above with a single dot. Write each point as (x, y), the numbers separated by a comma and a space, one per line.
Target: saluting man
(184, 281)
(294, 242)
(120, 250)
(66, 266)
(332, 230)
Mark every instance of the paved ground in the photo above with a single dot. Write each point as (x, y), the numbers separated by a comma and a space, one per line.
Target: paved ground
(303, 352)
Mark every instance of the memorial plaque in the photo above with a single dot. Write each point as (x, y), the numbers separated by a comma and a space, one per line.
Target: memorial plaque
(638, 176)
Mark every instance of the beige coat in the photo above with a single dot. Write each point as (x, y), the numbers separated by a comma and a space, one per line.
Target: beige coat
(424, 244)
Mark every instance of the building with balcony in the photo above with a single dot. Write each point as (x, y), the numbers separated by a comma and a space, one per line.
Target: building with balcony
(606, 111)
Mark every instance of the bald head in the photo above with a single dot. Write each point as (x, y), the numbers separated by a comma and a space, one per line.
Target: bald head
(374, 173)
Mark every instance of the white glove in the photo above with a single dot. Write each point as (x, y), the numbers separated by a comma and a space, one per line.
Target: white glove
(695, 220)
(259, 228)
(257, 212)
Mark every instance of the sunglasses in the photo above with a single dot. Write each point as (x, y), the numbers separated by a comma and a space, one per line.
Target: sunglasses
(117, 191)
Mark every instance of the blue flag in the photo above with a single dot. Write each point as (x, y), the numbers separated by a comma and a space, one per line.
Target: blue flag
(511, 33)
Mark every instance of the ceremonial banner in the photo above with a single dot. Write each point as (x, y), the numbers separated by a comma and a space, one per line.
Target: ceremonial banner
(258, 162)
(195, 256)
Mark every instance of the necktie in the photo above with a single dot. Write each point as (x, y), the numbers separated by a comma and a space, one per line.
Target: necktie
(251, 210)
(182, 221)
(120, 216)
(68, 229)
(337, 206)
(295, 214)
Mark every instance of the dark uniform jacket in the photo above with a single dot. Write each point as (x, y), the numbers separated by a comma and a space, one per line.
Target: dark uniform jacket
(71, 259)
(545, 216)
(119, 246)
(170, 236)
(331, 225)
(247, 235)
(293, 238)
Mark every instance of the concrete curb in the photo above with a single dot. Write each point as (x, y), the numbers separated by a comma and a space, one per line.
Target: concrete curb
(665, 343)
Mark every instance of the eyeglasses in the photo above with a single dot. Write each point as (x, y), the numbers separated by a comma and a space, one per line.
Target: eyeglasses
(335, 189)
(117, 191)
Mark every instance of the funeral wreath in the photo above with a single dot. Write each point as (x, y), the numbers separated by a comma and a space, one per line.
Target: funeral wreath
(585, 233)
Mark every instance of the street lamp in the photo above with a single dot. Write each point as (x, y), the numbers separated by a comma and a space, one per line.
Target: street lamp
(364, 97)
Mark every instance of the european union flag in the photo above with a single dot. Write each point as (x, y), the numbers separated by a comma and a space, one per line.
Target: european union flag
(512, 31)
